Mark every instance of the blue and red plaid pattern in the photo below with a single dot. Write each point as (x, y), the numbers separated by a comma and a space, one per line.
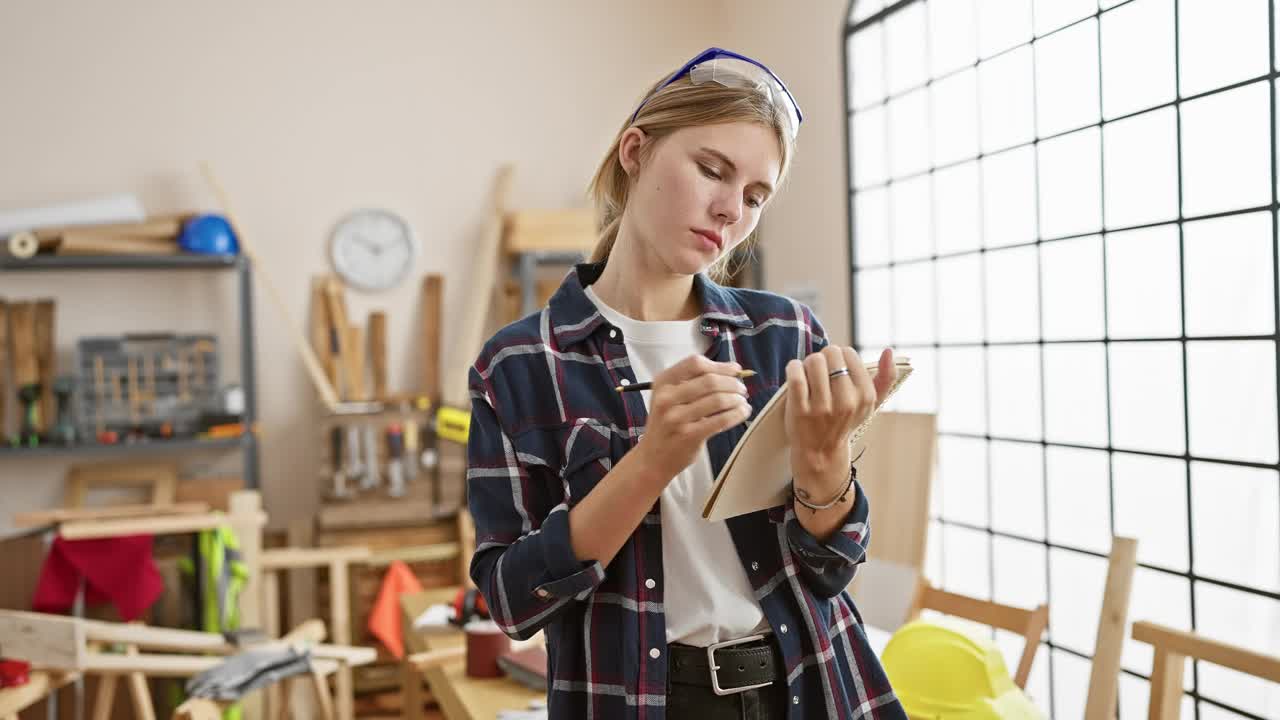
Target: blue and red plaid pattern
(547, 425)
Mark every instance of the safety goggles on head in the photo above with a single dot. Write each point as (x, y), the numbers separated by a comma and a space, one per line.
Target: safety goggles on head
(730, 69)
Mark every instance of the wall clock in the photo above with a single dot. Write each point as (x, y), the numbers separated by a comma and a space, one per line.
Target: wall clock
(372, 249)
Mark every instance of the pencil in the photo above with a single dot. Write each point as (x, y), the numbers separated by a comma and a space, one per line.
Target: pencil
(742, 374)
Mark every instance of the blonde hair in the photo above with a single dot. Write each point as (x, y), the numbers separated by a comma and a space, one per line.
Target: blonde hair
(679, 105)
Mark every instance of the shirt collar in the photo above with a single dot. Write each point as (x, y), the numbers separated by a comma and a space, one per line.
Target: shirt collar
(574, 316)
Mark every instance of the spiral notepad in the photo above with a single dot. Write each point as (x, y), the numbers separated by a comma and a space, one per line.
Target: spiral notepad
(758, 472)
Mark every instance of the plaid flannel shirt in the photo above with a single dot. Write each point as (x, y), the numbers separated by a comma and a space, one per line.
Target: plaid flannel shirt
(546, 426)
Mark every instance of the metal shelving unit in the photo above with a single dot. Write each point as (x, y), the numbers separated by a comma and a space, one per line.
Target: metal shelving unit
(247, 443)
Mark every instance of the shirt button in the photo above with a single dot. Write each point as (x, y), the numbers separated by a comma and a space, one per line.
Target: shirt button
(783, 628)
(613, 334)
(541, 593)
(755, 566)
(795, 699)
(655, 653)
(650, 583)
(624, 381)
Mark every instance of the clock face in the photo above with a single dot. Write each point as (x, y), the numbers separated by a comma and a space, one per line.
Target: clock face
(372, 249)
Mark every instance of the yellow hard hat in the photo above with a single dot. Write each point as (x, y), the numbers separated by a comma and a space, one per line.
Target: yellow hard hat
(947, 669)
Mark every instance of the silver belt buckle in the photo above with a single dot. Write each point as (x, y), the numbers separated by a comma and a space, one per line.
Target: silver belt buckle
(711, 662)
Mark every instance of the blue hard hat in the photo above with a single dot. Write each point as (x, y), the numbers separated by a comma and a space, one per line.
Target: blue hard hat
(209, 234)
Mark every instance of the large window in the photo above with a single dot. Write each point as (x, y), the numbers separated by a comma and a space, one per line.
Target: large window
(1064, 212)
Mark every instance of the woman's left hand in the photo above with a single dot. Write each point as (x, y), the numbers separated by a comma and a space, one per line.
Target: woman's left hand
(823, 411)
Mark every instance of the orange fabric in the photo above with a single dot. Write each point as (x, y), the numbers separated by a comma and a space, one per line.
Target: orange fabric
(384, 618)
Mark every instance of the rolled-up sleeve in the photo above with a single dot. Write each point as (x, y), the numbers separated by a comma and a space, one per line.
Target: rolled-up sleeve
(828, 567)
(524, 563)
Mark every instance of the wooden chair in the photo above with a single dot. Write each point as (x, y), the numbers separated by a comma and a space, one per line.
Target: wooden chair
(1173, 647)
(1030, 624)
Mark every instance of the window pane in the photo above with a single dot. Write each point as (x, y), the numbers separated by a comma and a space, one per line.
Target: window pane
(908, 133)
(913, 303)
(1159, 598)
(1221, 42)
(957, 208)
(1076, 582)
(1072, 277)
(871, 226)
(921, 394)
(1053, 14)
(1017, 489)
(1142, 169)
(962, 390)
(1247, 692)
(1012, 306)
(871, 307)
(1222, 168)
(1137, 57)
(1078, 499)
(960, 283)
(1145, 415)
(1143, 283)
(1007, 102)
(1151, 506)
(1247, 620)
(1070, 685)
(933, 559)
(1020, 577)
(866, 55)
(1236, 521)
(1135, 694)
(863, 9)
(1075, 390)
(955, 117)
(962, 475)
(1015, 400)
(912, 210)
(906, 39)
(953, 34)
(1002, 24)
(1067, 79)
(1231, 391)
(870, 166)
(1009, 197)
(1227, 262)
(1071, 184)
(968, 563)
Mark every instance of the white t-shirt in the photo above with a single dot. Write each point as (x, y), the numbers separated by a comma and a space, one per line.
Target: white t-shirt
(707, 596)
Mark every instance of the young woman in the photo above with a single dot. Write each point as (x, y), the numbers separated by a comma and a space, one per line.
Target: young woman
(587, 501)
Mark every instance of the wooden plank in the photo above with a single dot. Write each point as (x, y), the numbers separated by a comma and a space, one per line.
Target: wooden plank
(247, 520)
(1199, 647)
(40, 518)
(290, 558)
(1005, 617)
(353, 360)
(47, 362)
(569, 230)
(322, 330)
(145, 526)
(171, 665)
(339, 604)
(302, 581)
(160, 476)
(483, 285)
(22, 331)
(139, 693)
(213, 491)
(39, 686)
(432, 326)
(336, 303)
(156, 638)
(52, 641)
(378, 353)
(1104, 672)
(1167, 669)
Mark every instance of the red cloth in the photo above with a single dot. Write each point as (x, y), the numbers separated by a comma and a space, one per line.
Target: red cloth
(116, 570)
(384, 618)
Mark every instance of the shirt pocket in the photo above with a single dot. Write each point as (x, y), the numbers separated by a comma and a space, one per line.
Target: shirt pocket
(588, 458)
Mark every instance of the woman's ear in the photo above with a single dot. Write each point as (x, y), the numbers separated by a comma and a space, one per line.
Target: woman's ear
(630, 147)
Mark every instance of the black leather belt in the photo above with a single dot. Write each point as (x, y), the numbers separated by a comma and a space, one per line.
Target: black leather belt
(739, 665)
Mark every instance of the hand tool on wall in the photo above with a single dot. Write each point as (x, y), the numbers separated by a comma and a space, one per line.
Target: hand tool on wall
(135, 401)
(372, 477)
(64, 432)
(322, 333)
(354, 467)
(340, 489)
(378, 354)
(411, 458)
(395, 457)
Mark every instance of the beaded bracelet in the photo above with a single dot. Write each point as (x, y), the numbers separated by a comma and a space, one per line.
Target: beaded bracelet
(853, 475)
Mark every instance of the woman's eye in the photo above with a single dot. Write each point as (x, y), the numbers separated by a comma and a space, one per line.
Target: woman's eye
(754, 201)
(709, 172)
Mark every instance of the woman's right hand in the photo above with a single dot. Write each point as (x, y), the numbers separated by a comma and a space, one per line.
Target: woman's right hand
(690, 401)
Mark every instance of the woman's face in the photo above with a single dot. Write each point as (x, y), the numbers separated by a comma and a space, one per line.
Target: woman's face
(700, 191)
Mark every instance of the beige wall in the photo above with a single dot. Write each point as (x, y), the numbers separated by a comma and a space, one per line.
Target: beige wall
(309, 110)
